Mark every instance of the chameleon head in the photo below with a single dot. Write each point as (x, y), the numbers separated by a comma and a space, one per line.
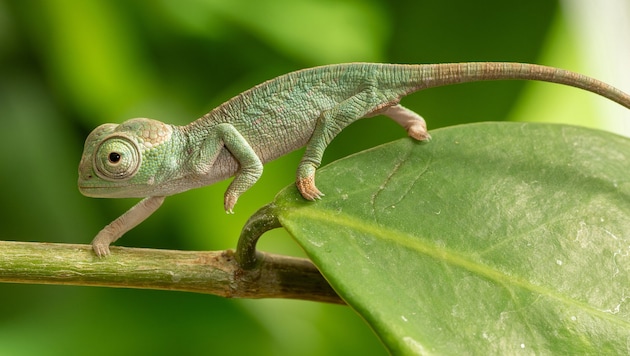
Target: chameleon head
(112, 162)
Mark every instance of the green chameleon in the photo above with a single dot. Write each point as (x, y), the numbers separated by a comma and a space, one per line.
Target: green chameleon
(149, 159)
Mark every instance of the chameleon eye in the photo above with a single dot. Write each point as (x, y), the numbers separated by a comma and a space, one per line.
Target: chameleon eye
(114, 157)
(117, 158)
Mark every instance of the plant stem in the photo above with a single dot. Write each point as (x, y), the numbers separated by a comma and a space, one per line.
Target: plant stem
(211, 272)
(263, 220)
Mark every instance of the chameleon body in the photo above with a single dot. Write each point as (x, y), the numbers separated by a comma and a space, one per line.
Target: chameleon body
(149, 159)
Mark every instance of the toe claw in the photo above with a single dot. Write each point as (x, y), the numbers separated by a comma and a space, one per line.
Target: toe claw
(422, 136)
(100, 250)
(307, 188)
(229, 202)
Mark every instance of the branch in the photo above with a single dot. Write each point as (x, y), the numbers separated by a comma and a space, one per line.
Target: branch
(211, 272)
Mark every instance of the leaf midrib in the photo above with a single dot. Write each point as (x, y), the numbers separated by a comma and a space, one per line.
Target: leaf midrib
(445, 255)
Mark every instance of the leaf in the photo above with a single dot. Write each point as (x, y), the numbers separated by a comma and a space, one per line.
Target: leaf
(494, 238)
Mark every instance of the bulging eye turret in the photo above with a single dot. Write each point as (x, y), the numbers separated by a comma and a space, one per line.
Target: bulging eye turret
(117, 158)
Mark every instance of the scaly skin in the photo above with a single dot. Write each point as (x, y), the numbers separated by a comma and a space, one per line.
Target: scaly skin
(148, 159)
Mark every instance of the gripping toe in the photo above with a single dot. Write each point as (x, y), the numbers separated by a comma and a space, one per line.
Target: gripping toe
(307, 188)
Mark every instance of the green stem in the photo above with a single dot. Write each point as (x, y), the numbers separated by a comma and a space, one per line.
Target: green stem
(212, 272)
(262, 221)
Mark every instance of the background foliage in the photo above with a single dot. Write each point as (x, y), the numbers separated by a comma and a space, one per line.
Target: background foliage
(68, 66)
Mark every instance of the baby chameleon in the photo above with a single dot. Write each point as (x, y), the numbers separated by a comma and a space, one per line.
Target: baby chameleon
(149, 159)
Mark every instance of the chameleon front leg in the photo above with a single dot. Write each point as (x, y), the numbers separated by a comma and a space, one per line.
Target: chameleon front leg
(250, 169)
(127, 221)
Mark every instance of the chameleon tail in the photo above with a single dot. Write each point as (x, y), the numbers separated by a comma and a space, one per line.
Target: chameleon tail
(435, 75)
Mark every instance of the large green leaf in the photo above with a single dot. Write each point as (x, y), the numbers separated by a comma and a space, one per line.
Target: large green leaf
(492, 238)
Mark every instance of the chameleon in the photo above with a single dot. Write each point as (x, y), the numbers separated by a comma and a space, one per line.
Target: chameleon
(145, 158)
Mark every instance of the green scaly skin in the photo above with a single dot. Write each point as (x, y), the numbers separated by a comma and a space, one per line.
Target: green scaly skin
(148, 159)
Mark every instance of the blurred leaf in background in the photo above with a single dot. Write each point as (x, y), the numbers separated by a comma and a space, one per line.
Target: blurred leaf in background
(67, 67)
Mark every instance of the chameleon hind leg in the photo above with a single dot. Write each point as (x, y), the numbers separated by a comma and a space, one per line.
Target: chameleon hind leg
(333, 121)
(414, 124)
(328, 125)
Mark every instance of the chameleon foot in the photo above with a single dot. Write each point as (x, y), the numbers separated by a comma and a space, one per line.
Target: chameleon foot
(103, 239)
(307, 188)
(414, 124)
(229, 202)
(101, 249)
(419, 132)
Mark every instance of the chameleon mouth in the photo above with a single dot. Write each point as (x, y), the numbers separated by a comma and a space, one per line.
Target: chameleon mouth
(93, 191)
(102, 191)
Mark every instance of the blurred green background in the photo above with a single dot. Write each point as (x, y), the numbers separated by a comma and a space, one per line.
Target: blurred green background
(69, 66)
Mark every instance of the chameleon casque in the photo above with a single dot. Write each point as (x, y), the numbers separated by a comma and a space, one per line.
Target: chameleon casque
(144, 158)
